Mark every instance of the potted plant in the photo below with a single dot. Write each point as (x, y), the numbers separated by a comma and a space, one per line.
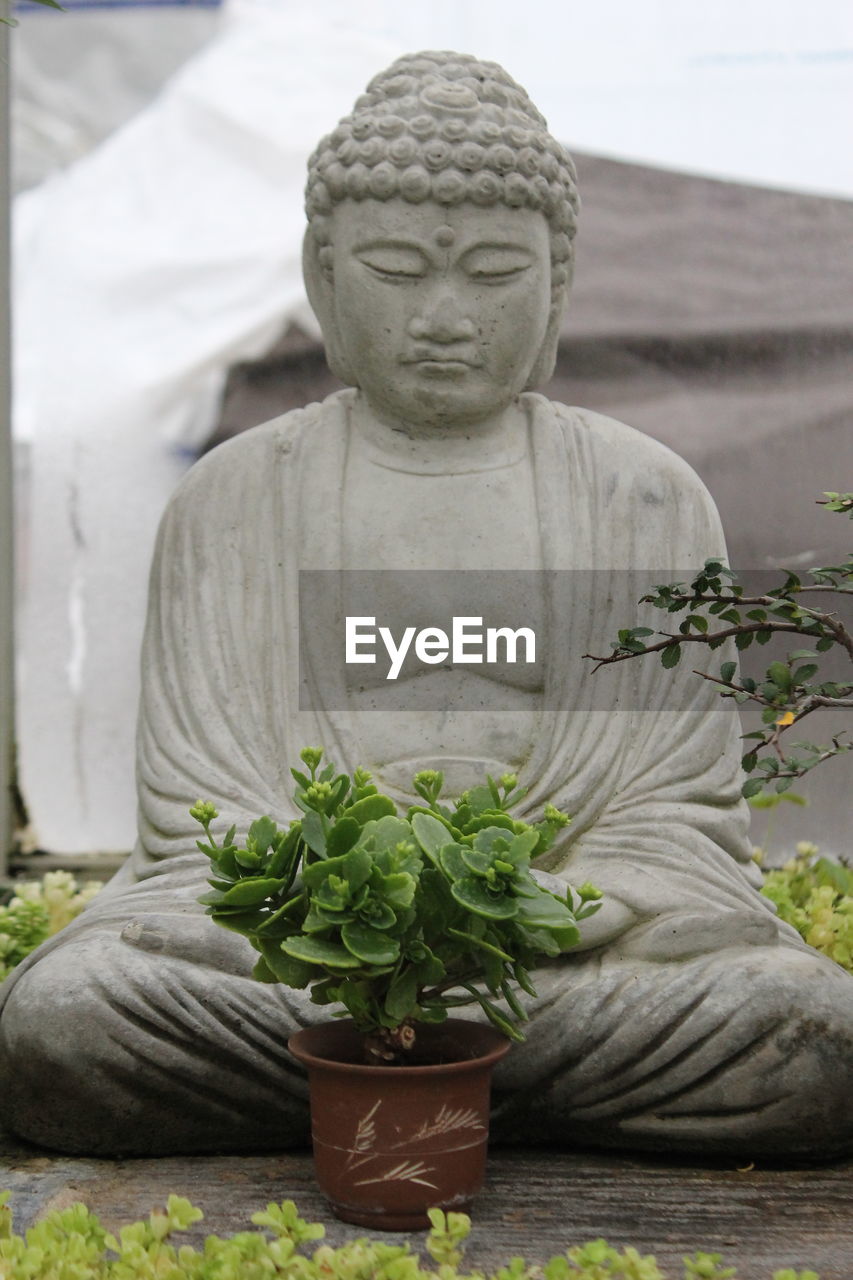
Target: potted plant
(397, 920)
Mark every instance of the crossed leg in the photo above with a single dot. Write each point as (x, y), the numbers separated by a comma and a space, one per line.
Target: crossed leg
(142, 1032)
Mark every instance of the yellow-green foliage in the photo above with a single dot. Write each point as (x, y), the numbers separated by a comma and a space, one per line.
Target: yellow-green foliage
(39, 908)
(71, 1244)
(815, 895)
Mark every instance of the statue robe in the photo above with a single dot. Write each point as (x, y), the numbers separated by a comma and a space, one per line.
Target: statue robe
(707, 1025)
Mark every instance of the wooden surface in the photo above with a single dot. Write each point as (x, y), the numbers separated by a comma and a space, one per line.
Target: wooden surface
(535, 1203)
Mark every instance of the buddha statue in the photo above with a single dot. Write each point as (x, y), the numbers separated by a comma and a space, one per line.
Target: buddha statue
(438, 255)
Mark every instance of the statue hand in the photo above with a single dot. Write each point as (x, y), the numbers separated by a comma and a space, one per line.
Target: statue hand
(192, 937)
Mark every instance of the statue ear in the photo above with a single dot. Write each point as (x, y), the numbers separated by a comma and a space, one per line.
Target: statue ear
(543, 369)
(320, 287)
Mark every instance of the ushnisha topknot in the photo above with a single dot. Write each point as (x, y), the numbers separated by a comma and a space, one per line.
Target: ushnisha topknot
(448, 128)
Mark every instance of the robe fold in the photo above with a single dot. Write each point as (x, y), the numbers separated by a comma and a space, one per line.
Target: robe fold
(684, 1032)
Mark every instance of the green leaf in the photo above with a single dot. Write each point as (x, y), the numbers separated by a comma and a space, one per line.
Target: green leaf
(752, 787)
(356, 868)
(452, 861)
(386, 833)
(521, 847)
(766, 800)
(402, 996)
(431, 834)
(429, 969)
(313, 833)
(477, 860)
(285, 968)
(517, 1008)
(379, 916)
(804, 673)
(353, 867)
(398, 888)
(834, 874)
(490, 820)
(320, 951)
(343, 835)
(794, 798)
(743, 640)
(471, 893)
(433, 1012)
(480, 943)
(369, 945)
(545, 911)
(727, 671)
(250, 892)
(282, 923)
(495, 1016)
(262, 832)
(671, 655)
(249, 860)
(371, 808)
(262, 972)
(357, 1003)
(244, 922)
(780, 674)
(285, 859)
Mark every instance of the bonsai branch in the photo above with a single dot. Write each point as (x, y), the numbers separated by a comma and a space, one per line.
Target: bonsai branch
(712, 638)
(789, 691)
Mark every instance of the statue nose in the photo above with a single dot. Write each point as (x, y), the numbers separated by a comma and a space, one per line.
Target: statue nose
(442, 322)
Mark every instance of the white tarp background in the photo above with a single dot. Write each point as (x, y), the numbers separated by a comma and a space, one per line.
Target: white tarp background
(145, 268)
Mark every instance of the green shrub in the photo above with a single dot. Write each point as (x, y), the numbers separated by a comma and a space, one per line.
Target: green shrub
(71, 1244)
(815, 895)
(39, 909)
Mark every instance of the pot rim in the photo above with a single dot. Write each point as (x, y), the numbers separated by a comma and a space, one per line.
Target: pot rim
(499, 1047)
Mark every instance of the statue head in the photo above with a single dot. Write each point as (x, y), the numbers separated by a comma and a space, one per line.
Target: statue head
(447, 133)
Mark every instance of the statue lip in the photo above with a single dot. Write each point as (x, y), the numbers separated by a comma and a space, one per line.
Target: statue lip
(439, 360)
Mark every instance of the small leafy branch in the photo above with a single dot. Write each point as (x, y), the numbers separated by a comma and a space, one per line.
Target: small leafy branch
(789, 691)
(72, 1244)
(397, 919)
(50, 4)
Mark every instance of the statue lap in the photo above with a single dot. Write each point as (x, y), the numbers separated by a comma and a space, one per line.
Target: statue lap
(114, 1045)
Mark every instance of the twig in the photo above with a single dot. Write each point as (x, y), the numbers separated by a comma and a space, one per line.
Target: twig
(707, 638)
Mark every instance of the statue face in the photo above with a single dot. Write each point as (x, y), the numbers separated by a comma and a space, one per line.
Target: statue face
(440, 312)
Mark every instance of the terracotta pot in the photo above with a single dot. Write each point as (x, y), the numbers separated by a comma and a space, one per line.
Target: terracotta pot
(392, 1142)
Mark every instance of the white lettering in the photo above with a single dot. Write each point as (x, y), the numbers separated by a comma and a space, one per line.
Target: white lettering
(354, 637)
(511, 638)
(431, 645)
(461, 637)
(397, 654)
